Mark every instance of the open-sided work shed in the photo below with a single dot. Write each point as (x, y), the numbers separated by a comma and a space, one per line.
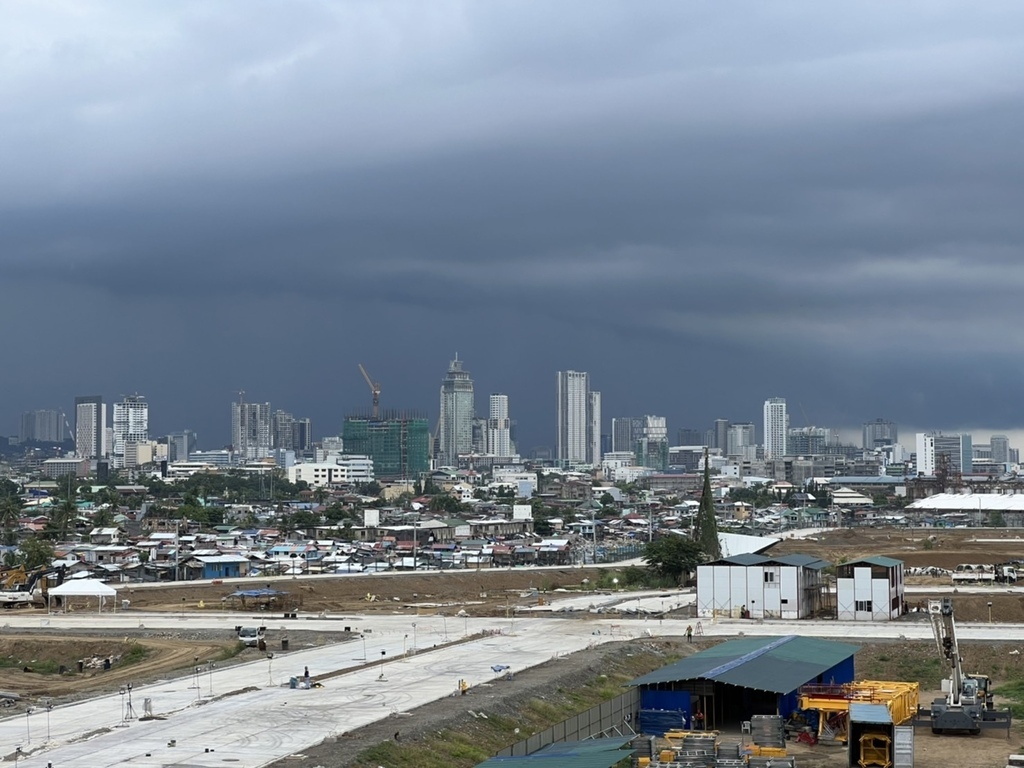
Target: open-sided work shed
(739, 678)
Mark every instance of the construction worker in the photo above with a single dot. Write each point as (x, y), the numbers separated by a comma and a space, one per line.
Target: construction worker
(689, 633)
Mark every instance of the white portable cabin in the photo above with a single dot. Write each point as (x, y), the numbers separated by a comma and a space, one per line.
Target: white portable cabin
(784, 587)
(869, 589)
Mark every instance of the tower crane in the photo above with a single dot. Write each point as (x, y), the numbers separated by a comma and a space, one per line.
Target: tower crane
(374, 388)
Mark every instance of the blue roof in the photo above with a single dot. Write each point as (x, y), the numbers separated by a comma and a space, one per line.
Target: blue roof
(777, 664)
(869, 713)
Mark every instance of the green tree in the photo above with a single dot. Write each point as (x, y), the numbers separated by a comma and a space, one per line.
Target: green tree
(673, 556)
(10, 511)
(35, 553)
(705, 526)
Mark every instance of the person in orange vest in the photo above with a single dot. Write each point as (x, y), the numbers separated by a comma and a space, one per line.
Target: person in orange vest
(698, 721)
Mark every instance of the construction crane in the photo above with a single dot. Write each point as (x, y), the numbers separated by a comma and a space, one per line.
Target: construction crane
(967, 705)
(375, 389)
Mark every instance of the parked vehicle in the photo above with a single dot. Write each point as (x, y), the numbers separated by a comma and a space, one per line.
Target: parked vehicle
(251, 636)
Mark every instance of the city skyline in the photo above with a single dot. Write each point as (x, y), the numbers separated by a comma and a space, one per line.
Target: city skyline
(698, 205)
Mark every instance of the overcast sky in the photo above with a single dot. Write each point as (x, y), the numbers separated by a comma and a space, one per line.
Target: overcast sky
(703, 204)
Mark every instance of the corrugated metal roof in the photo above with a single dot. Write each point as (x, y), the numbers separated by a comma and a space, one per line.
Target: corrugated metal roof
(970, 502)
(869, 713)
(798, 561)
(885, 562)
(592, 753)
(778, 664)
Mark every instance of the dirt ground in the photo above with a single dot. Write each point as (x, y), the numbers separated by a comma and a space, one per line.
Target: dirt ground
(30, 662)
(486, 592)
(875, 660)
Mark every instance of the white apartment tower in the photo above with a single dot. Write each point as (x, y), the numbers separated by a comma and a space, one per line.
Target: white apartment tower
(456, 423)
(90, 427)
(131, 427)
(251, 431)
(499, 428)
(776, 425)
(579, 420)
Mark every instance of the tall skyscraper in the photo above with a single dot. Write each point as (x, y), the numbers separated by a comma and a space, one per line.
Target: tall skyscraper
(776, 424)
(131, 427)
(742, 443)
(651, 449)
(397, 441)
(45, 426)
(282, 436)
(1000, 445)
(302, 435)
(499, 427)
(932, 445)
(90, 427)
(456, 422)
(251, 432)
(181, 445)
(687, 436)
(626, 433)
(879, 433)
(721, 435)
(579, 419)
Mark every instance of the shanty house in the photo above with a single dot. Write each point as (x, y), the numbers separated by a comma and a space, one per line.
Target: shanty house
(870, 589)
(739, 678)
(761, 587)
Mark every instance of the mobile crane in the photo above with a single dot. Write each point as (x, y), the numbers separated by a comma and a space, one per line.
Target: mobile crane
(967, 706)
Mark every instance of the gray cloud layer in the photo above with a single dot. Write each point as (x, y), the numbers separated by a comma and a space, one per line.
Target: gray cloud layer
(702, 205)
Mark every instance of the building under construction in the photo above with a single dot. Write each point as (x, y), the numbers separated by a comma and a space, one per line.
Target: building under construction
(397, 441)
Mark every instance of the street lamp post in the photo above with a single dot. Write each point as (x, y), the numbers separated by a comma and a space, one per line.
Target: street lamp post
(444, 624)
(28, 731)
(989, 611)
(383, 653)
(414, 646)
(49, 707)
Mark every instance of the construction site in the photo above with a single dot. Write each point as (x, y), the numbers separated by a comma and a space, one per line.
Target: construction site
(932, 686)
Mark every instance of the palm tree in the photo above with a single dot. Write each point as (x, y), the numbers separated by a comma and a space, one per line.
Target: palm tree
(10, 511)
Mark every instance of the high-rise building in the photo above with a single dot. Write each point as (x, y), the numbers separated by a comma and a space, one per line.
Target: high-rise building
(651, 449)
(685, 436)
(499, 428)
(251, 431)
(397, 441)
(90, 427)
(932, 445)
(878, 434)
(302, 435)
(131, 427)
(1000, 445)
(181, 445)
(282, 432)
(579, 420)
(721, 435)
(456, 423)
(626, 433)
(742, 442)
(776, 424)
(810, 441)
(45, 426)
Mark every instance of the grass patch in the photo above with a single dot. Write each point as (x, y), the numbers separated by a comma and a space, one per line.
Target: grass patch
(481, 738)
(1014, 691)
(134, 654)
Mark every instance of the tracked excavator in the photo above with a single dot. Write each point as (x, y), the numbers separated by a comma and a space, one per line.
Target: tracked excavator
(967, 706)
(20, 589)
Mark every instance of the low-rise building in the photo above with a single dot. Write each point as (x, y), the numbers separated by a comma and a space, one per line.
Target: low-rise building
(870, 589)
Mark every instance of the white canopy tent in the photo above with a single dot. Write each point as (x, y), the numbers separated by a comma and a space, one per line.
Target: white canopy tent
(82, 588)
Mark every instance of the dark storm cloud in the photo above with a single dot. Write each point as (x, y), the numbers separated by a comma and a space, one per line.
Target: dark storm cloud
(799, 200)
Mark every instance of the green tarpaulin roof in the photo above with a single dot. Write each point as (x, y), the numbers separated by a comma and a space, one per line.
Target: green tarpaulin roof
(592, 753)
(777, 664)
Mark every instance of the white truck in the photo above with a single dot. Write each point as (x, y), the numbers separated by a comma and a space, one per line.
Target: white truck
(969, 573)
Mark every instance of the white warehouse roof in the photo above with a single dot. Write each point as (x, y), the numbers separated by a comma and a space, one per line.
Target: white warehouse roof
(971, 502)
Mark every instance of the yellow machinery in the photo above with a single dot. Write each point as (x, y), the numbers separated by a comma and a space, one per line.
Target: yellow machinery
(833, 702)
(875, 751)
